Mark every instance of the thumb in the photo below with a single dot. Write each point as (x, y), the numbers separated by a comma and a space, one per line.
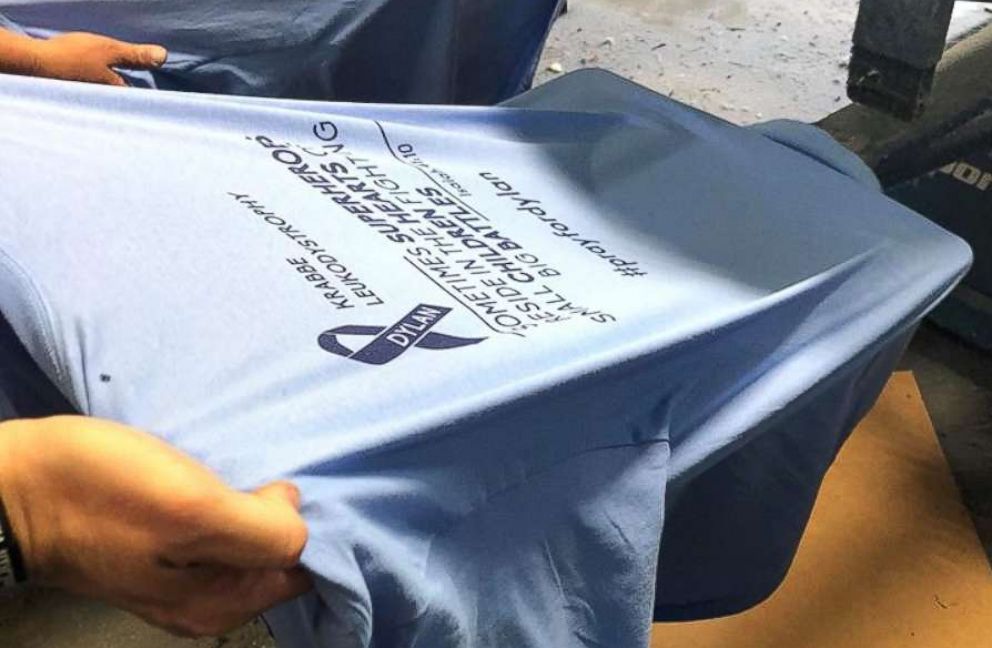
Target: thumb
(260, 530)
(139, 57)
(282, 492)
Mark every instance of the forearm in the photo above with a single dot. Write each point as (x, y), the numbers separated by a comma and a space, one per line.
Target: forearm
(18, 53)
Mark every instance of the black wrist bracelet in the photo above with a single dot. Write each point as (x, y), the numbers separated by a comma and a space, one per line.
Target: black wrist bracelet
(12, 571)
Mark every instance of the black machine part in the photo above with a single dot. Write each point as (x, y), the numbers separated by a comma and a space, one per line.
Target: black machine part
(897, 45)
(957, 122)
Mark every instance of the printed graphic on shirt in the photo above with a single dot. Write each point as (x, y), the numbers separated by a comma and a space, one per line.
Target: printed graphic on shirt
(505, 258)
(413, 330)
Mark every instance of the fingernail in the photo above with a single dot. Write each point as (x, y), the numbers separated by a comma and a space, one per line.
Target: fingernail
(294, 494)
(157, 54)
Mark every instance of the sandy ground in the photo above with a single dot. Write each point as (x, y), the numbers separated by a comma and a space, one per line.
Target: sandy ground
(745, 60)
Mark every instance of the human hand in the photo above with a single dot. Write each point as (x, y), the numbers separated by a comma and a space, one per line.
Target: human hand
(80, 56)
(106, 511)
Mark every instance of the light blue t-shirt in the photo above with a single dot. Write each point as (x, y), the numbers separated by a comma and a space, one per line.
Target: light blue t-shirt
(510, 355)
(394, 51)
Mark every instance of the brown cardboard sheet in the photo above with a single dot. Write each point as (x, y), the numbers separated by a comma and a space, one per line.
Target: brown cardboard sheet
(890, 558)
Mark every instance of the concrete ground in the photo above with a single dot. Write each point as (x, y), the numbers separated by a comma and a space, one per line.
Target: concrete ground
(745, 60)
